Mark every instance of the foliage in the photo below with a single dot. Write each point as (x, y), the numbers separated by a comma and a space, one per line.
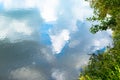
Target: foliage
(105, 66)
(107, 12)
(102, 67)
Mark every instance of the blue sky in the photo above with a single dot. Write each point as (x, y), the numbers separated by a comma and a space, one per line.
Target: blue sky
(46, 39)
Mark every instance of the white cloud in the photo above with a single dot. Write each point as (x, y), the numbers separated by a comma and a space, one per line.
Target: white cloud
(109, 31)
(0, 0)
(58, 75)
(21, 27)
(47, 54)
(81, 61)
(3, 32)
(26, 73)
(31, 3)
(74, 43)
(59, 40)
(48, 8)
(12, 4)
(6, 3)
(13, 29)
(100, 43)
(81, 9)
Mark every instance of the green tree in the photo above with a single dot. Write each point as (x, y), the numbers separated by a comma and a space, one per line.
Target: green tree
(105, 66)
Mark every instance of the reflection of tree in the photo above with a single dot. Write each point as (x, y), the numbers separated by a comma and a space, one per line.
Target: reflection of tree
(105, 66)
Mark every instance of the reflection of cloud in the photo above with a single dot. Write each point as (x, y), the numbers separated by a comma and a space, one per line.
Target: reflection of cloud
(26, 73)
(74, 43)
(59, 40)
(47, 54)
(48, 8)
(58, 75)
(11, 28)
(81, 9)
(21, 27)
(17, 25)
(109, 31)
(101, 42)
(22, 19)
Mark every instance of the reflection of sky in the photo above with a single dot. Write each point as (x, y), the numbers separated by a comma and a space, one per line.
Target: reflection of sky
(44, 34)
(46, 39)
